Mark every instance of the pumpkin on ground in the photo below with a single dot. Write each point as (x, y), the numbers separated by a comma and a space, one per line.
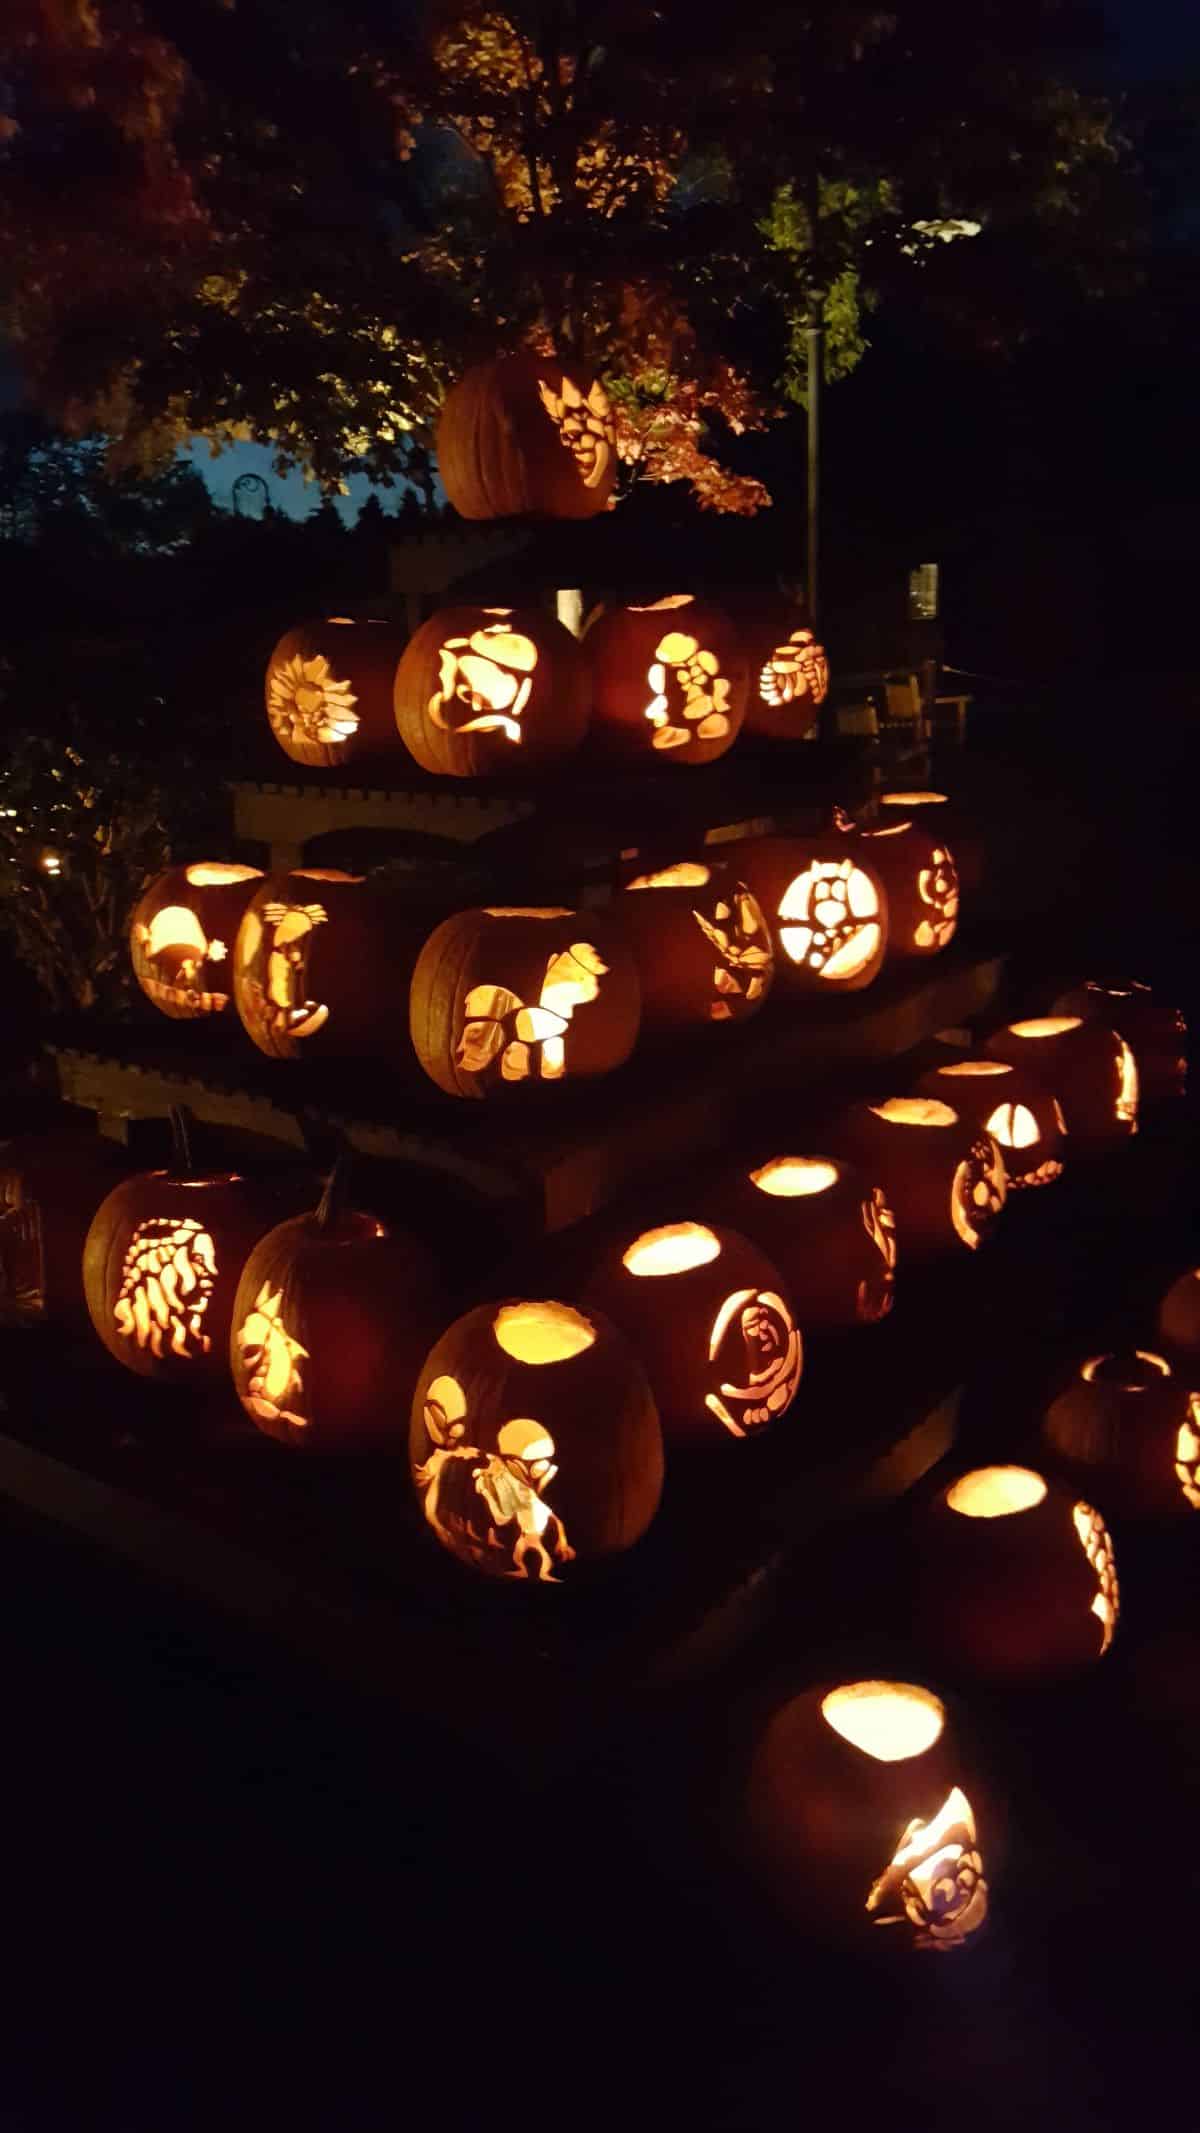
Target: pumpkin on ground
(921, 879)
(332, 1320)
(825, 903)
(789, 672)
(507, 998)
(1011, 1104)
(322, 964)
(535, 1441)
(943, 1175)
(830, 1232)
(526, 435)
(51, 1184)
(182, 933)
(329, 690)
(669, 681)
(1155, 1032)
(491, 692)
(701, 945)
(1086, 1065)
(1127, 1426)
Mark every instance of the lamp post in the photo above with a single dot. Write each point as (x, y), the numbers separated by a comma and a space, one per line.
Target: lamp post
(814, 347)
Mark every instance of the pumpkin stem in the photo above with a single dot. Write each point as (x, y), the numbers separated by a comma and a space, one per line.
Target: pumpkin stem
(337, 1185)
(182, 1161)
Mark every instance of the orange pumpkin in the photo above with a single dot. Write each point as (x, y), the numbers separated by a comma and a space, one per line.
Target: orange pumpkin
(328, 690)
(182, 932)
(921, 879)
(1011, 1104)
(526, 435)
(701, 944)
(669, 681)
(322, 963)
(491, 692)
(826, 906)
(789, 672)
(943, 1176)
(830, 1232)
(1086, 1065)
(1128, 1427)
(1155, 1032)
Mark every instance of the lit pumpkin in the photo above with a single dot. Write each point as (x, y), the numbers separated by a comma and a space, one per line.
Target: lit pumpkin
(1155, 1032)
(322, 963)
(505, 999)
(701, 945)
(860, 1815)
(525, 436)
(1127, 1426)
(825, 904)
(710, 1318)
(491, 692)
(51, 1184)
(1014, 1575)
(669, 681)
(182, 933)
(946, 819)
(535, 1441)
(831, 1234)
(1011, 1104)
(789, 673)
(331, 1323)
(942, 1174)
(162, 1261)
(921, 880)
(328, 691)
(1086, 1065)
(1179, 1322)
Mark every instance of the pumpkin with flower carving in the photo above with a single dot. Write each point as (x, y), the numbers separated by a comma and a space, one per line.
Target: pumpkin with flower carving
(329, 691)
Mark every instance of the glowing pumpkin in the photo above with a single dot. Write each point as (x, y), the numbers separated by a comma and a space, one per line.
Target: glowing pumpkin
(491, 692)
(329, 691)
(946, 819)
(534, 1440)
(1086, 1065)
(527, 436)
(1011, 1104)
(943, 1176)
(669, 681)
(710, 1318)
(826, 905)
(1127, 1426)
(921, 879)
(701, 945)
(182, 932)
(789, 672)
(1155, 1032)
(505, 999)
(322, 963)
(859, 1819)
(831, 1234)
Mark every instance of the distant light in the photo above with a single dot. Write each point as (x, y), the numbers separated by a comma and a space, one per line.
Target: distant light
(948, 228)
(50, 861)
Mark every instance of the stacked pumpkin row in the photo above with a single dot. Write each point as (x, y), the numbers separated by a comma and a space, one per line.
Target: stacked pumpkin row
(332, 964)
(494, 692)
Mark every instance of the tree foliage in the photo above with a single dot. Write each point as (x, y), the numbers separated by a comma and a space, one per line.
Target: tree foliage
(299, 223)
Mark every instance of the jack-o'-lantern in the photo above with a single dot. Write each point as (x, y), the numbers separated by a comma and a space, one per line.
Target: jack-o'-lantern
(527, 436)
(1014, 1574)
(860, 1816)
(1011, 1104)
(329, 690)
(332, 1320)
(491, 692)
(1155, 1032)
(505, 999)
(921, 880)
(943, 1175)
(162, 1260)
(51, 1184)
(669, 681)
(1127, 1426)
(322, 963)
(789, 673)
(535, 1441)
(181, 934)
(710, 1318)
(1086, 1065)
(830, 1232)
(701, 945)
(946, 819)
(1179, 1323)
(825, 904)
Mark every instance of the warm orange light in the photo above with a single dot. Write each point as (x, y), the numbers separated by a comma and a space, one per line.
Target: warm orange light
(674, 1249)
(915, 1111)
(542, 1332)
(1014, 1126)
(655, 607)
(216, 874)
(794, 1177)
(1122, 1370)
(1046, 1026)
(889, 1720)
(996, 1492)
(323, 874)
(912, 799)
(894, 829)
(966, 1067)
(524, 911)
(687, 875)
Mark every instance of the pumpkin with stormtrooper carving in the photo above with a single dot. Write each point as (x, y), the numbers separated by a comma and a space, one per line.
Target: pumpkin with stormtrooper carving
(1011, 1104)
(1087, 1066)
(491, 692)
(701, 945)
(182, 933)
(527, 436)
(826, 906)
(535, 1442)
(669, 681)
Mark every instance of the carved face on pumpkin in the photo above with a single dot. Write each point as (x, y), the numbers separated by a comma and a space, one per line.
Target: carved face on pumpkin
(830, 919)
(485, 680)
(529, 1043)
(167, 1279)
(755, 1352)
(877, 1295)
(978, 1191)
(585, 426)
(795, 672)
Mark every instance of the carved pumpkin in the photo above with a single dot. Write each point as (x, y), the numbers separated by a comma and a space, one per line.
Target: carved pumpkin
(1011, 1104)
(491, 692)
(701, 945)
(1155, 1032)
(789, 673)
(942, 1174)
(506, 999)
(1088, 1067)
(1128, 1427)
(921, 880)
(831, 1234)
(859, 1818)
(329, 690)
(1179, 1323)
(1015, 1575)
(524, 436)
(162, 1261)
(711, 1320)
(332, 1321)
(182, 933)
(51, 1184)
(322, 964)
(535, 1441)
(826, 905)
(946, 819)
(669, 681)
